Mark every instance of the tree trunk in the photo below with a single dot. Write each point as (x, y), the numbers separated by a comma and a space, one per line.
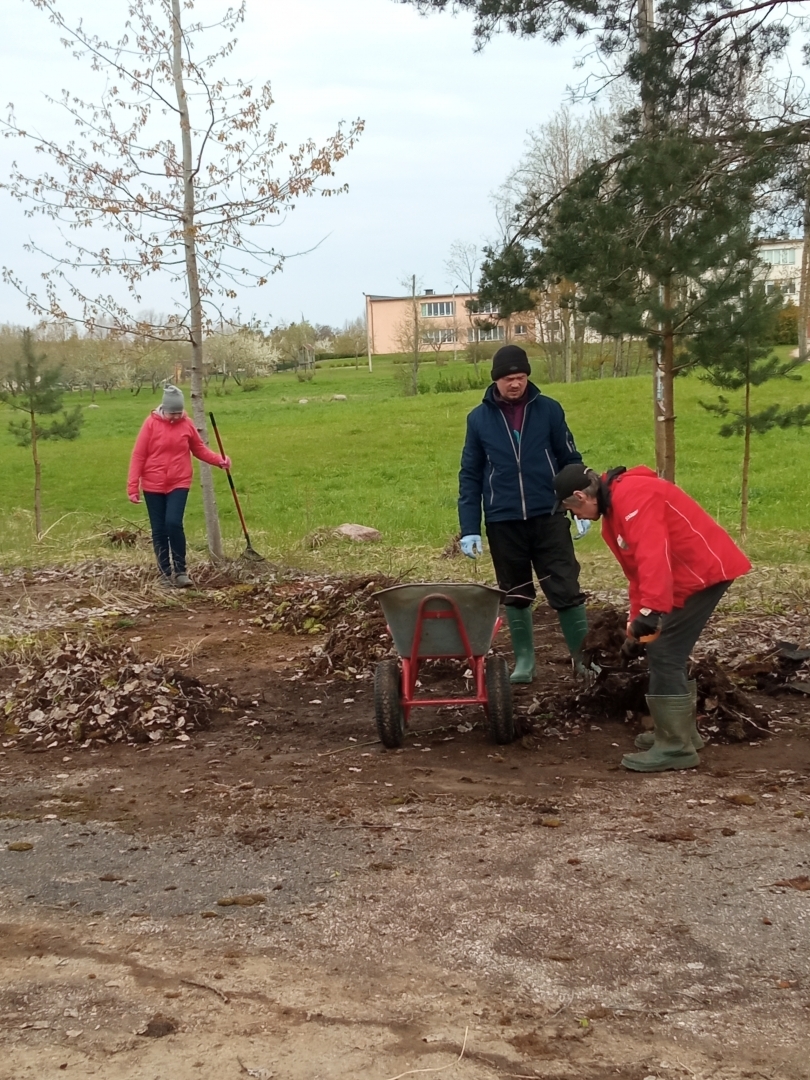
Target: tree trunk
(416, 341)
(212, 529)
(579, 341)
(804, 284)
(665, 411)
(37, 478)
(565, 318)
(663, 415)
(617, 356)
(746, 462)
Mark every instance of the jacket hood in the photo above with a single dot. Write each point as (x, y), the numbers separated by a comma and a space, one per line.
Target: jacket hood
(489, 394)
(636, 470)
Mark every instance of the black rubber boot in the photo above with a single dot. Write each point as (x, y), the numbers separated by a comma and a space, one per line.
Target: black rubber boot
(672, 742)
(522, 631)
(645, 740)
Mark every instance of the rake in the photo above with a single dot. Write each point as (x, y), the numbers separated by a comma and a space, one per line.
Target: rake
(249, 552)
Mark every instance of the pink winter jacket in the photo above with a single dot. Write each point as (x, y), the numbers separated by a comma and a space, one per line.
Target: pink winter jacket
(161, 459)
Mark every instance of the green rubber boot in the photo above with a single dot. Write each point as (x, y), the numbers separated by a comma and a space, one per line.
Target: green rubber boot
(672, 741)
(645, 740)
(574, 625)
(520, 627)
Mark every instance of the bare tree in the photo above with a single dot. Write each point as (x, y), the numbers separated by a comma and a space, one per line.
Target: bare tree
(411, 336)
(557, 152)
(463, 266)
(193, 207)
(351, 340)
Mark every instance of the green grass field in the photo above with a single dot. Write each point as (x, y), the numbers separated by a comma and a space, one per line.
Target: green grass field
(389, 461)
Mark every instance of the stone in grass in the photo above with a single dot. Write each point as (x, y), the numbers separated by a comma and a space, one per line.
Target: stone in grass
(362, 534)
(20, 845)
(246, 900)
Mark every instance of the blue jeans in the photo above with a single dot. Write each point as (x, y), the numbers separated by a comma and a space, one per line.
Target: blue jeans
(168, 539)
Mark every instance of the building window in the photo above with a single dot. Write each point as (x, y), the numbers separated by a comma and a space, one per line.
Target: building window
(492, 333)
(520, 330)
(483, 309)
(779, 256)
(438, 308)
(438, 337)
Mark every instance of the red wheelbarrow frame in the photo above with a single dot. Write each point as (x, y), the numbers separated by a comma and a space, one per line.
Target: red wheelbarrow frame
(411, 664)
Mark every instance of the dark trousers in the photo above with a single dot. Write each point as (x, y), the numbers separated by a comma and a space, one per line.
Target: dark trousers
(166, 519)
(540, 543)
(668, 655)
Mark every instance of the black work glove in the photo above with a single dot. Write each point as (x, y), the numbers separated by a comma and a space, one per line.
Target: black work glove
(647, 624)
(631, 649)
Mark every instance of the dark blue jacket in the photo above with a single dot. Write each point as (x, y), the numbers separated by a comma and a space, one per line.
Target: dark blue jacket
(514, 477)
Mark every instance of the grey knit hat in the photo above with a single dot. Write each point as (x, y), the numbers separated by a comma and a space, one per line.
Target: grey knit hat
(173, 401)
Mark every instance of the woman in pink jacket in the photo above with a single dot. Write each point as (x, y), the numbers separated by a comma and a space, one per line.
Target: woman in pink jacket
(161, 468)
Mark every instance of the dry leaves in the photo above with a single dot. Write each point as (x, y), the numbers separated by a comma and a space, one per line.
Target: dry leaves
(801, 883)
(245, 900)
(344, 609)
(82, 691)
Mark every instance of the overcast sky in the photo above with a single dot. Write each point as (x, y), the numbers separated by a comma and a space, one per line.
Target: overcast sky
(443, 127)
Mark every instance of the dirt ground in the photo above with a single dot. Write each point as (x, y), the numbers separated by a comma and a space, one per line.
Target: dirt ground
(281, 897)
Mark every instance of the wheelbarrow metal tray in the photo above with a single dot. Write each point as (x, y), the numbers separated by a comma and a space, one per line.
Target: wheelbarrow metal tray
(477, 605)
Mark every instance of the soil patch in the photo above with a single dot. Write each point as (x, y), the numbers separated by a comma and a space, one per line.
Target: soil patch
(533, 904)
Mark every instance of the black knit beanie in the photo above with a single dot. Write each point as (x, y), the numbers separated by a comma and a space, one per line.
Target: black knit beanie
(510, 360)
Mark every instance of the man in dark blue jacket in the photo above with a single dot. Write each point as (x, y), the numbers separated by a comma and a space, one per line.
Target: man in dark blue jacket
(517, 440)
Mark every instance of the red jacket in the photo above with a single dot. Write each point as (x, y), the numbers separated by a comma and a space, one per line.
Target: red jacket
(161, 460)
(668, 546)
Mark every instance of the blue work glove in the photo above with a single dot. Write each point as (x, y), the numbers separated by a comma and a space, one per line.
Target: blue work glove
(471, 546)
(581, 527)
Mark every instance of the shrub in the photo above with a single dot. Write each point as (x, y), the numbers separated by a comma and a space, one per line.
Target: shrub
(787, 325)
(457, 384)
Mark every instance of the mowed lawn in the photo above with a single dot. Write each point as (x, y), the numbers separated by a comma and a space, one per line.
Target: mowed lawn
(382, 459)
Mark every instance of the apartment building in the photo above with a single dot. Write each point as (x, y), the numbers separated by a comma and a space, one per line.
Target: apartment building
(445, 322)
(782, 267)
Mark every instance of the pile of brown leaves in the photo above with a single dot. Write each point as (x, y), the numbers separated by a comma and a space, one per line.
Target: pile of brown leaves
(82, 691)
(344, 609)
(723, 706)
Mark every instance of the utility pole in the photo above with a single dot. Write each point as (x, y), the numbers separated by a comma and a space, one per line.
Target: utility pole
(369, 324)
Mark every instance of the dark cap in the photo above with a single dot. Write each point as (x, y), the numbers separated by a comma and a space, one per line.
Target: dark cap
(510, 360)
(570, 479)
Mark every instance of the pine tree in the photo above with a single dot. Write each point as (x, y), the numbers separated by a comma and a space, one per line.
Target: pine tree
(734, 349)
(33, 390)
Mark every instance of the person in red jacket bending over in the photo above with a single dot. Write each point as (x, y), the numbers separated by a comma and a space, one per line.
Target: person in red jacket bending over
(678, 563)
(161, 468)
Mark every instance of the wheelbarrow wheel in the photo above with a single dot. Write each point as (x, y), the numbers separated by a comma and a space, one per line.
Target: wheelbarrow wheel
(499, 700)
(388, 704)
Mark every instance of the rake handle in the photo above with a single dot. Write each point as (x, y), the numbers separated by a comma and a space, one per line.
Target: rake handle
(230, 479)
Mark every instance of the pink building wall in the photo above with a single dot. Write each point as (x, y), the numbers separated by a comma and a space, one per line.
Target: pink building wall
(388, 319)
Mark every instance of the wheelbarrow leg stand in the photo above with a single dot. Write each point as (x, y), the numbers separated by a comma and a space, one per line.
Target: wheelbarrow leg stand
(410, 673)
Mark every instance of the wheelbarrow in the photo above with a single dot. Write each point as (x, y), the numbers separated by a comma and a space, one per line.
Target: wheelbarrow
(431, 622)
